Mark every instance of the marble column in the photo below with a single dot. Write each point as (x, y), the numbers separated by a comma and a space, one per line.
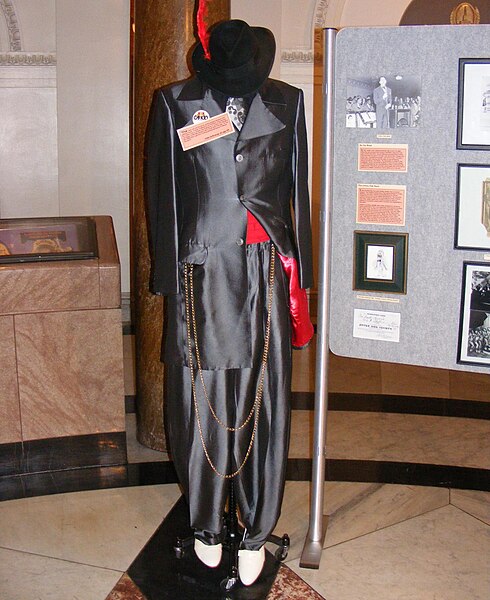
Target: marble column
(164, 32)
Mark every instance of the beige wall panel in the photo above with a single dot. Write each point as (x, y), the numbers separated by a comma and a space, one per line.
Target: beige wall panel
(9, 394)
(28, 154)
(369, 13)
(297, 23)
(4, 34)
(37, 24)
(264, 14)
(70, 373)
(93, 113)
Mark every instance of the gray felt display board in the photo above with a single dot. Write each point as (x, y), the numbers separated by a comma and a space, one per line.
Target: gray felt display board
(430, 310)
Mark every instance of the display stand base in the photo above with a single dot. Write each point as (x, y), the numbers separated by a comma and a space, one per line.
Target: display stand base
(160, 575)
(312, 550)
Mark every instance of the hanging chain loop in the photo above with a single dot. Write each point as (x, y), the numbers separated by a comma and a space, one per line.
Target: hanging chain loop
(190, 314)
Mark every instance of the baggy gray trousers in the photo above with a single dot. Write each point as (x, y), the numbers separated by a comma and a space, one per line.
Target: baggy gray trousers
(259, 486)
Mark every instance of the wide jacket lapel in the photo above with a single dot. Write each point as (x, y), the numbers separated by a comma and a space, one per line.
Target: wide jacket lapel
(200, 97)
(264, 115)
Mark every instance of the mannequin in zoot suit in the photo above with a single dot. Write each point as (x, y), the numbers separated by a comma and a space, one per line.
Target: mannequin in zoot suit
(231, 248)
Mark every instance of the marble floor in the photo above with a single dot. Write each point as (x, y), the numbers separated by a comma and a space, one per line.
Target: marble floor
(384, 541)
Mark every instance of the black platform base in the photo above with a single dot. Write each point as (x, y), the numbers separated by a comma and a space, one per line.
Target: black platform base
(160, 575)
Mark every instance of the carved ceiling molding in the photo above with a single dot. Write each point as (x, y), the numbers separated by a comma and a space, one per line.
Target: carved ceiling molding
(310, 55)
(321, 14)
(297, 55)
(8, 9)
(27, 59)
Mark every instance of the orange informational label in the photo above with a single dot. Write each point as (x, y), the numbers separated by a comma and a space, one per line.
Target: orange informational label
(384, 158)
(206, 131)
(381, 204)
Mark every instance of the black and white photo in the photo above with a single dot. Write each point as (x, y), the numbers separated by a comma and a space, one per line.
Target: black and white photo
(379, 262)
(474, 104)
(472, 230)
(474, 335)
(383, 101)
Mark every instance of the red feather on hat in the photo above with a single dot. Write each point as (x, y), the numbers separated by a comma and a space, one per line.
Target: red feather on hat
(202, 30)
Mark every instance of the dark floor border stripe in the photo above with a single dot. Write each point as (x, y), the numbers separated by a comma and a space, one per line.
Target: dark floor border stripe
(298, 469)
(407, 405)
(92, 478)
(371, 471)
(152, 473)
(127, 328)
(130, 404)
(413, 405)
(63, 453)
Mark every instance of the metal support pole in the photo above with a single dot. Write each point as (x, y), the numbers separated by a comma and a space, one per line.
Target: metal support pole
(312, 550)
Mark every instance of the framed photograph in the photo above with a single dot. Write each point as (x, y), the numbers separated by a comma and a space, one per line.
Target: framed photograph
(380, 261)
(383, 101)
(472, 230)
(474, 104)
(474, 329)
(47, 238)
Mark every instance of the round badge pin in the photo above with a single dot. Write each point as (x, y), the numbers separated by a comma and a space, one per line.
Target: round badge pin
(200, 115)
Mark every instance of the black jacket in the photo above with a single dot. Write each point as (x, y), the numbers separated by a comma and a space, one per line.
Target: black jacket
(197, 199)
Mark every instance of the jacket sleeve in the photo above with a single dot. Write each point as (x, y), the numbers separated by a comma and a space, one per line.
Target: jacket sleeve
(161, 197)
(301, 199)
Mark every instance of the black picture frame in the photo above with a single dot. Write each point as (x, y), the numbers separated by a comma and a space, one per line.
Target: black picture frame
(473, 131)
(380, 261)
(45, 239)
(474, 323)
(472, 219)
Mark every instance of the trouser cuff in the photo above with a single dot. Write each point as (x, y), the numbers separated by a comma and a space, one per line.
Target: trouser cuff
(208, 538)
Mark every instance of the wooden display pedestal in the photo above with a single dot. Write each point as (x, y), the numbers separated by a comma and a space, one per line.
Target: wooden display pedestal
(61, 375)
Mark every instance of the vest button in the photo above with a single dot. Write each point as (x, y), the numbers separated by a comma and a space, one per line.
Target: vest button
(242, 197)
(239, 242)
(239, 157)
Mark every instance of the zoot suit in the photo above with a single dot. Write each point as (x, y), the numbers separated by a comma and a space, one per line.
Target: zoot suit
(198, 203)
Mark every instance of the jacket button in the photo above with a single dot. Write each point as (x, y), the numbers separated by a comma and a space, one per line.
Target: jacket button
(239, 242)
(242, 197)
(239, 157)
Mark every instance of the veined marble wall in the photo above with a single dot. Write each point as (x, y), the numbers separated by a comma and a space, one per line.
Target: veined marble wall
(61, 370)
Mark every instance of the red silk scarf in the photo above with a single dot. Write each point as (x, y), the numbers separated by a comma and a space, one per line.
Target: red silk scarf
(301, 326)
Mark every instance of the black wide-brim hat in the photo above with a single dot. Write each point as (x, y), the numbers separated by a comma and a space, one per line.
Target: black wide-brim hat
(241, 58)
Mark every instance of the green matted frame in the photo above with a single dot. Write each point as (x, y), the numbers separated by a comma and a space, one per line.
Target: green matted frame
(380, 261)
